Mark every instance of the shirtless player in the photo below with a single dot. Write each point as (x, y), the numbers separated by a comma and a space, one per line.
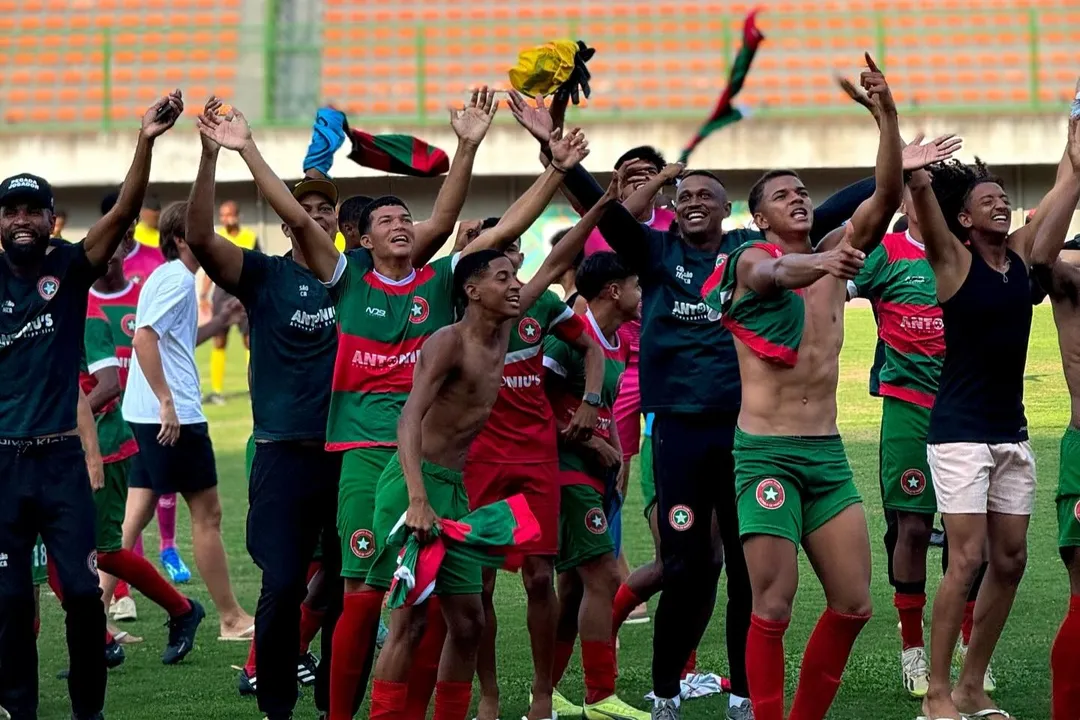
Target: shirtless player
(1058, 271)
(784, 303)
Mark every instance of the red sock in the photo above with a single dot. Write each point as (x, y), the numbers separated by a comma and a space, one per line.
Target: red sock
(691, 664)
(625, 602)
(452, 700)
(312, 570)
(109, 639)
(823, 663)
(310, 622)
(387, 698)
(249, 666)
(765, 667)
(145, 578)
(122, 590)
(910, 609)
(598, 661)
(969, 621)
(563, 651)
(1064, 661)
(425, 666)
(353, 636)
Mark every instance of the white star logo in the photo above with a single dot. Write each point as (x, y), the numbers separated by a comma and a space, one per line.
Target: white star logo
(596, 521)
(530, 330)
(913, 482)
(681, 518)
(771, 494)
(49, 288)
(362, 544)
(417, 311)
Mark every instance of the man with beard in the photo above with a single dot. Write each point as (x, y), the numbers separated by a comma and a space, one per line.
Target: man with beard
(688, 363)
(43, 478)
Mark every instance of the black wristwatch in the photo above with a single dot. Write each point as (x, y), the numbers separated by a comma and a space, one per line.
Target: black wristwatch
(592, 399)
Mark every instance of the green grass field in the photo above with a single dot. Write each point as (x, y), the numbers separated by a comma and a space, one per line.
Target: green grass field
(204, 685)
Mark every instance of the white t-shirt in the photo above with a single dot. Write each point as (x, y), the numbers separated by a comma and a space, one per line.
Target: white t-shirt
(168, 306)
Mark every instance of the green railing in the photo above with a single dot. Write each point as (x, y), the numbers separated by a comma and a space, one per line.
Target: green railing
(649, 67)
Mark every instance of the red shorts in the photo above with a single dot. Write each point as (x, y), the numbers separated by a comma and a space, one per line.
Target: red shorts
(627, 412)
(486, 483)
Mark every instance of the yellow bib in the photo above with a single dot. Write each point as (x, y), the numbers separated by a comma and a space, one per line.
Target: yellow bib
(244, 237)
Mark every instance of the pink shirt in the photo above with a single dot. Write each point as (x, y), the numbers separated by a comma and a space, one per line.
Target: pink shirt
(142, 261)
(661, 220)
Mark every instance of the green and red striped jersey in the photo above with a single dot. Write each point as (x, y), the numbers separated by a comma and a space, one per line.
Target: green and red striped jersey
(382, 324)
(99, 351)
(119, 308)
(569, 364)
(898, 280)
(771, 326)
(521, 428)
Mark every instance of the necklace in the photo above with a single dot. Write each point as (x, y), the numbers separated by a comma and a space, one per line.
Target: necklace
(1004, 272)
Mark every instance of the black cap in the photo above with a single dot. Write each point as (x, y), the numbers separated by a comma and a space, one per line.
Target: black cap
(27, 188)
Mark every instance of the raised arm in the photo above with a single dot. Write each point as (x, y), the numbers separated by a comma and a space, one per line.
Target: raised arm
(222, 260)
(104, 237)
(759, 271)
(1066, 191)
(566, 153)
(561, 257)
(871, 219)
(947, 255)
(231, 131)
(1061, 280)
(436, 363)
(642, 198)
(470, 125)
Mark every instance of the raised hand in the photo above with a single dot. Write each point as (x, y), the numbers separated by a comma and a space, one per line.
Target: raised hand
(614, 188)
(229, 129)
(873, 82)
(472, 123)
(212, 107)
(163, 114)
(567, 150)
(843, 261)
(1074, 133)
(918, 155)
(672, 171)
(537, 120)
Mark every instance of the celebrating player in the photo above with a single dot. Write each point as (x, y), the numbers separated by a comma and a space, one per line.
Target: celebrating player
(978, 451)
(293, 487)
(43, 477)
(783, 301)
(1058, 270)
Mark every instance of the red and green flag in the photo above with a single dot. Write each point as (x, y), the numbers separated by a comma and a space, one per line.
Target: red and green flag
(487, 536)
(770, 325)
(400, 154)
(725, 113)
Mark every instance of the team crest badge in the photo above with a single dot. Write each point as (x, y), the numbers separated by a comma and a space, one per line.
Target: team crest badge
(91, 562)
(596, 521)
(529, 330)
(770, 494)
(681, 517)
(362, 544)
(419, 311)
(720, 260)
(47, 287)
(1076, 510)
(127, 324)
(913, 482)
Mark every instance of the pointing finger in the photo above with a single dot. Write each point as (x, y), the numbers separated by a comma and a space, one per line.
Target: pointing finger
(871, 64)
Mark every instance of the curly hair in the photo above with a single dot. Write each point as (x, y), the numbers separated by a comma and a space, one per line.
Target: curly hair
(952, 182)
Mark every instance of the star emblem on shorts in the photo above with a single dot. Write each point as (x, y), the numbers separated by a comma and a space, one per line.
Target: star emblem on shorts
(362, 544)
(681, 517)
(770, 494)
(913, 482)
(596, 521)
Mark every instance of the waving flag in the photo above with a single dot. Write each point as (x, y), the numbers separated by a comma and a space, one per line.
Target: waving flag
(497, 527)
(725, 113)
(400, 154)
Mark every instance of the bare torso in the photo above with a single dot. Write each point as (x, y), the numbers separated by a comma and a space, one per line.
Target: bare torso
(466, 397)
(799, 400)
(1067, 319)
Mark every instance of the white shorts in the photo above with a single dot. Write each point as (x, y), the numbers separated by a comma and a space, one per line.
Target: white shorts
(976, 478)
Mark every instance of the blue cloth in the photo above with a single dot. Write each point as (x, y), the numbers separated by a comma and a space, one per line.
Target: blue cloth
(648, 424)
(614, 516)
(327, 136)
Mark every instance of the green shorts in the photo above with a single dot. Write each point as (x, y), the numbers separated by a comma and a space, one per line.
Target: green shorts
(361, 469)
(111, 503)
(39, 563)
(902, 465)
(648, 482)
(583, 527)
(446, 493)
(790, 486)
(1068, 492)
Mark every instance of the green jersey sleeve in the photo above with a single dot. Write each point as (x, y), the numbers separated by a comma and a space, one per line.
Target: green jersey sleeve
(867, 284)
(559, 357)
(99, 348)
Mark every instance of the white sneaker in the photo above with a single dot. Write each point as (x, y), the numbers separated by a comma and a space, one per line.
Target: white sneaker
(916, 671)
(989, 682)
(123, 609)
